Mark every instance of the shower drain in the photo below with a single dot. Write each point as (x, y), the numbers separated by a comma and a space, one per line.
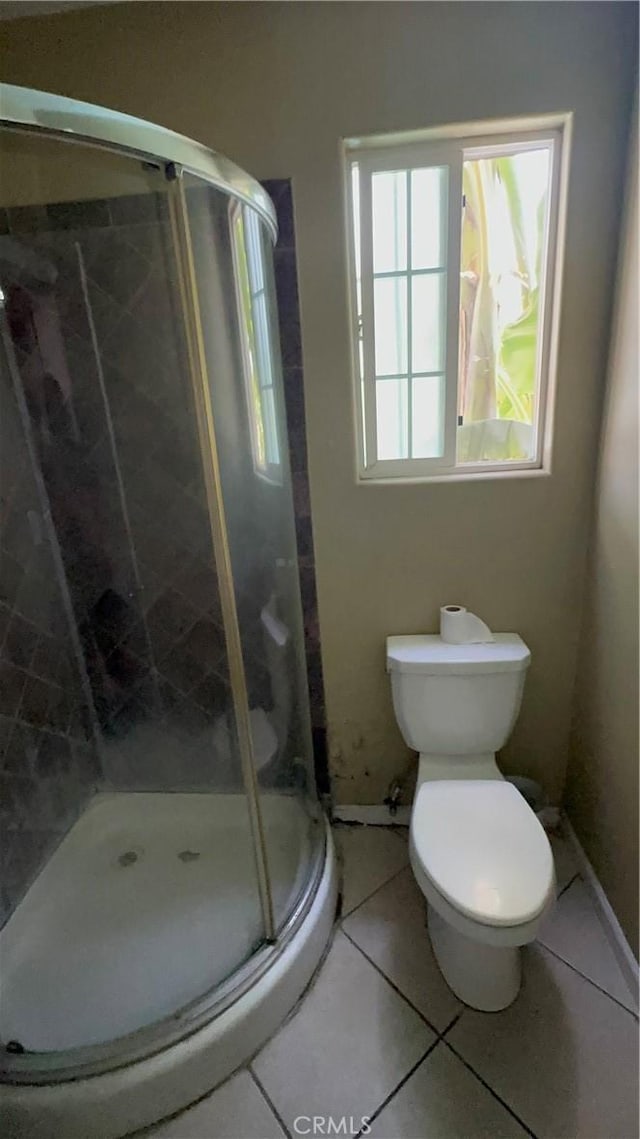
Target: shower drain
(129, 857)
(135, 853)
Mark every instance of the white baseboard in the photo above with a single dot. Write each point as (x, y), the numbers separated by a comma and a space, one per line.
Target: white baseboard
(613, 929)
(373, 816)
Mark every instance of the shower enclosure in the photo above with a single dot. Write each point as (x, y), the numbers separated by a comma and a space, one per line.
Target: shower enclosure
(166, 869)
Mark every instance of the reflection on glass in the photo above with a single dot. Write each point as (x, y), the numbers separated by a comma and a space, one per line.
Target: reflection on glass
(256, 348)
(392, 418)
(240, 337)
(428, 215)
(427, 322)
(390, 316)
(389, 208)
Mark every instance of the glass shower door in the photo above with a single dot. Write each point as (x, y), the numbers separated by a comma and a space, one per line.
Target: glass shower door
(145, 894)
(232, 262)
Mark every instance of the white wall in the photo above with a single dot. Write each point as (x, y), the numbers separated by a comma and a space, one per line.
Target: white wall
(602, 787)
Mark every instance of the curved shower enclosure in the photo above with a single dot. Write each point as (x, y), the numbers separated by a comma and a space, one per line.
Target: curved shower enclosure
(168, 882)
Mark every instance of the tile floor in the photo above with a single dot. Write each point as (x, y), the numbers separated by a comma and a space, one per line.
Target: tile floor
(380, 1035)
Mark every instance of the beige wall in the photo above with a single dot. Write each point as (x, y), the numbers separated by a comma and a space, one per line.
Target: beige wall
(276, 86)
(602, 789)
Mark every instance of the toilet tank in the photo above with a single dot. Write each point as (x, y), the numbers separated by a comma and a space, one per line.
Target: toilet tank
(456, 699)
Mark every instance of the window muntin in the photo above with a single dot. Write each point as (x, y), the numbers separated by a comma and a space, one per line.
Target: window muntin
(451, 258)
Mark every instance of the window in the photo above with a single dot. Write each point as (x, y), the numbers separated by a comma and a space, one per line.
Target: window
(454, 258)
(252, 295)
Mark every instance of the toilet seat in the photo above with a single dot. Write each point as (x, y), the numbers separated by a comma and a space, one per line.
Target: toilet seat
(480, 848)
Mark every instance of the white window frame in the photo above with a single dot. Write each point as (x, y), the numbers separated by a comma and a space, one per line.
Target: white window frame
(449, 147)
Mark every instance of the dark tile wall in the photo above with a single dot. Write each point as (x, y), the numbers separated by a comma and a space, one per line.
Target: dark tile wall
(280, 191)
(48, 764)
(140, 567)
(173, 638)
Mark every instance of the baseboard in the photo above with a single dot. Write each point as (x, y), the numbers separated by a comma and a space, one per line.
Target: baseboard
(373, 816)
(377, 815)
(613, 929)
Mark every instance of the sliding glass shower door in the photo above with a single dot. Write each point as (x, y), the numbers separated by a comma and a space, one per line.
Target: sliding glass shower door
(230, 267)
(139, 873)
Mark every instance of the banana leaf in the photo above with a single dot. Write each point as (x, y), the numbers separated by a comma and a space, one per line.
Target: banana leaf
(516, 365)
(497, 365)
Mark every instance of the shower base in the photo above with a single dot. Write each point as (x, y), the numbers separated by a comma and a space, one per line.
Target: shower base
(149, 902)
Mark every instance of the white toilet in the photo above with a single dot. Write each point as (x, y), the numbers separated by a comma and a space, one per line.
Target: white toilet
(478, 852)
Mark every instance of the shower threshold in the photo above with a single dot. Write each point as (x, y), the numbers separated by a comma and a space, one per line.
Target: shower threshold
(149, 901)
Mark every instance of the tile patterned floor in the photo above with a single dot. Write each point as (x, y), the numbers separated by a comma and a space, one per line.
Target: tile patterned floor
(380, 1035)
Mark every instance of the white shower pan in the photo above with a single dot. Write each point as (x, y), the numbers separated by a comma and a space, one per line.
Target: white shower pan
(149, 901)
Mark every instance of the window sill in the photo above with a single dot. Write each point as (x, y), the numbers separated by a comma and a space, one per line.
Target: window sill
(462, 476)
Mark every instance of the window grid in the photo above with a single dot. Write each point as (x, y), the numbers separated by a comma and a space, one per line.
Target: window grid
(407, 274)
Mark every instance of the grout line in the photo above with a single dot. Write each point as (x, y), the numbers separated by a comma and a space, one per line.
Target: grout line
(451, 1024)
(393, 985)
(248, 1064)
(375, 891)
(584, 976)
(569, 883)
(269, 1101)
(397, 1088)
(490, 1089)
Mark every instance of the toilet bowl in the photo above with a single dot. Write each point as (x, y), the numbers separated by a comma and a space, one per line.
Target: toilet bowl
(477, 850)
(484, 864)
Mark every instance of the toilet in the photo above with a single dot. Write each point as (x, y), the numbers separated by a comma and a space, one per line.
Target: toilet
(478, 852)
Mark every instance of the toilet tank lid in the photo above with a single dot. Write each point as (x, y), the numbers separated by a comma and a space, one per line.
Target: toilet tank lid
(428, 654)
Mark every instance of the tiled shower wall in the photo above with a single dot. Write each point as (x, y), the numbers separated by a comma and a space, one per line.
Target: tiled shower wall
(161, 629)
(48, 765)
(123, 471)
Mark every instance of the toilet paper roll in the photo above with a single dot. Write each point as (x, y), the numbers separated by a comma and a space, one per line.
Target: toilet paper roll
(459, 627)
